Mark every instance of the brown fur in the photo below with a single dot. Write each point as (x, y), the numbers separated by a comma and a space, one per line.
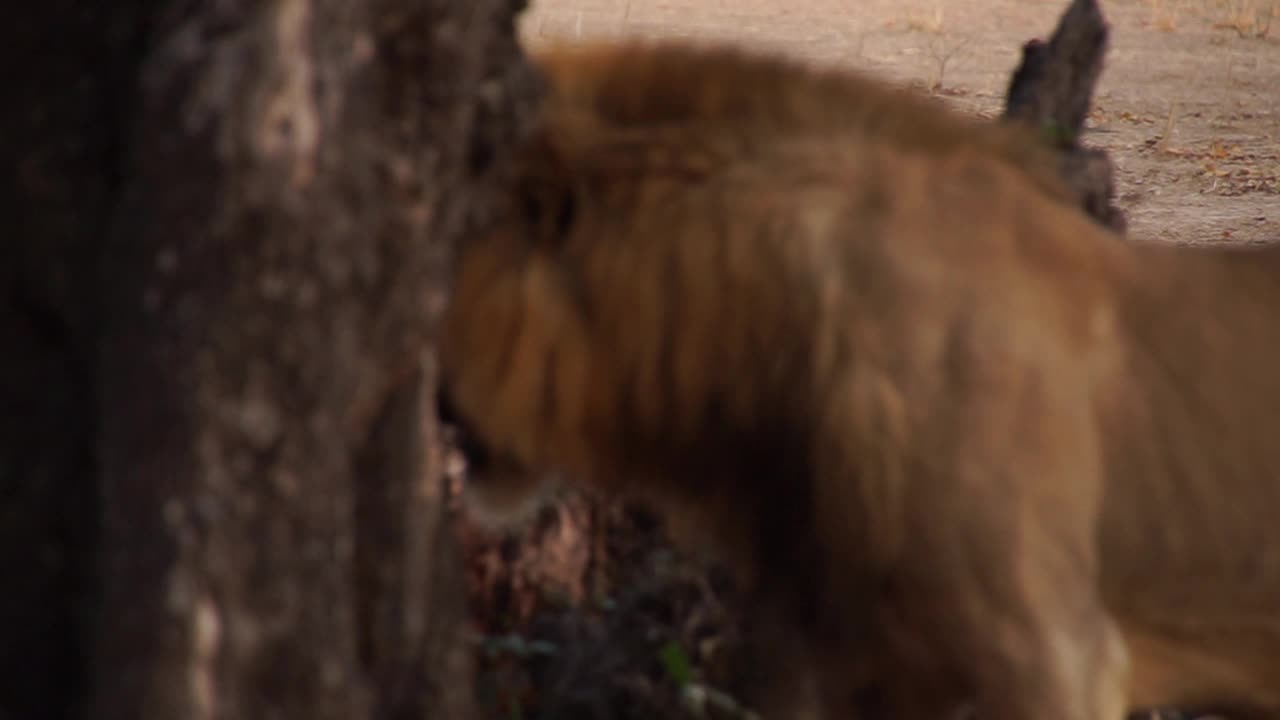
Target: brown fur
(974, 450)
(731, 98)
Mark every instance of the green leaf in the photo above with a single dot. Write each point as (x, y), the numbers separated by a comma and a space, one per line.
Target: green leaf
(1056, 133)
(676, 663)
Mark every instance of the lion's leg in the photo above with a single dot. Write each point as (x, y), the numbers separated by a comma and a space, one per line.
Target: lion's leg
(944, 644)
(977, 592)
(1036, 640)
(998, 611)
(1017, 663)
(1071, 670)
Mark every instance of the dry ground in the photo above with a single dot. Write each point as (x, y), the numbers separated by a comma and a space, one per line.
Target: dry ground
(1189, 105)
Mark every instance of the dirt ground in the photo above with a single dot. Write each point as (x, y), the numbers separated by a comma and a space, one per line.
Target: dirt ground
(1189, 105)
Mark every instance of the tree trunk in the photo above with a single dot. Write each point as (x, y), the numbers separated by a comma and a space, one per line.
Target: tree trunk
(230, 240)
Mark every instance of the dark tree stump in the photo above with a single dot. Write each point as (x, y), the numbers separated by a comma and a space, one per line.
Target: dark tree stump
(1052, 89)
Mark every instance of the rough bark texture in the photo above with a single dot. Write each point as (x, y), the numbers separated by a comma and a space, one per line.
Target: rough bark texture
(229, 239)
(66, 69)
(1052, 89)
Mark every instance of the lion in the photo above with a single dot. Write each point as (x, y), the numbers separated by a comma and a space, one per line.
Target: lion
(975, 451)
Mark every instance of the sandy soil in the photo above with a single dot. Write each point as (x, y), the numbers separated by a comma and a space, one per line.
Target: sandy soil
(1189, 105)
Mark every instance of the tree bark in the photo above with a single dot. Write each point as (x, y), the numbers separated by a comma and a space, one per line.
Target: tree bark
(232, 232)
(59, 152)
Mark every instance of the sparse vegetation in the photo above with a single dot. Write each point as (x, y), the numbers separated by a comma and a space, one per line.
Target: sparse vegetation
(930, 22)
(1250, 18)
(943, 50)
(1164, 15)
